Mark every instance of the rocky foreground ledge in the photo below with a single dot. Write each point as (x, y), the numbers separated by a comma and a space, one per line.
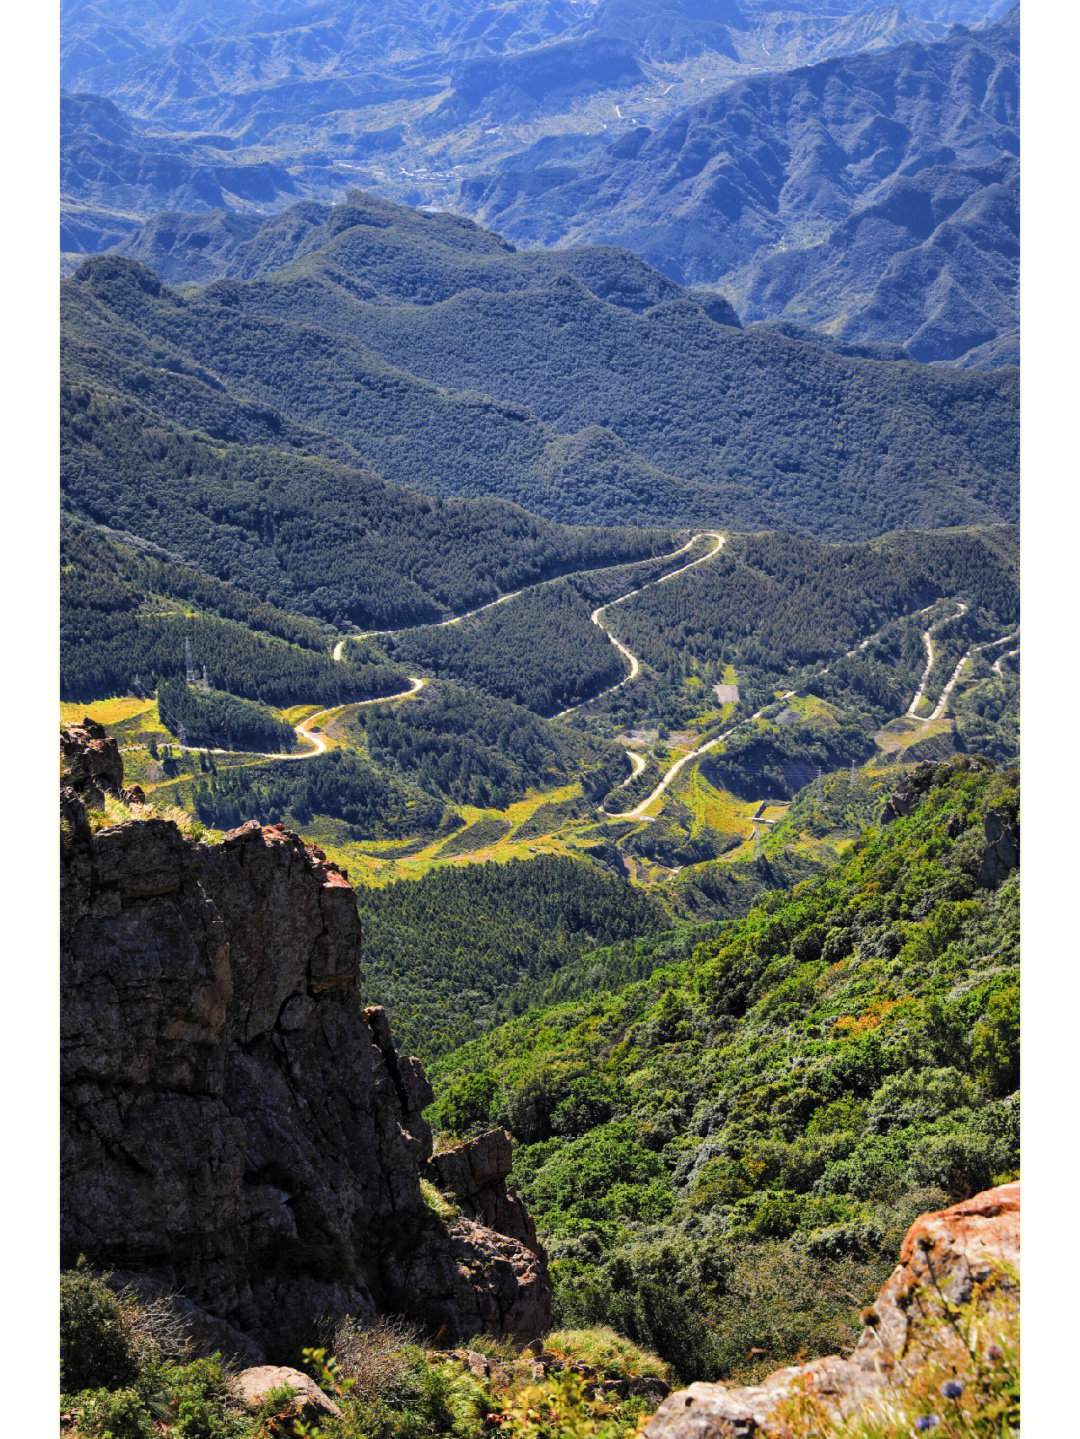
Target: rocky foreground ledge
(237, 1129)
(966, 1255)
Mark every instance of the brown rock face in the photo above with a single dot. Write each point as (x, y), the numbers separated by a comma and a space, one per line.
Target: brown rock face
(234, 1123)
(475, 1173)
(950, 1250)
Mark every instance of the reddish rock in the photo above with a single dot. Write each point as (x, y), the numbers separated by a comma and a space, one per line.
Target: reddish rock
(953, 1250)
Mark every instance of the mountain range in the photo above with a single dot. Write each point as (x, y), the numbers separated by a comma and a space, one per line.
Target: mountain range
(873, 195)
(578, 383)
(852, 169)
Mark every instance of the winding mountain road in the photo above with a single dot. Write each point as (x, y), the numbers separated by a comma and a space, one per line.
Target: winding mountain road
(929, 643)
(639, 810)
(310, 732)
(627, 654)
(943, 699)
(339, 648)
(975, 649)
(1008, 655)
(306, 730)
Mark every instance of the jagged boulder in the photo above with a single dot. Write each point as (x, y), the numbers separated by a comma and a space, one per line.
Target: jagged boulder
(235, 1124)
(90, 762)
(475, 1174)
(946, 1255)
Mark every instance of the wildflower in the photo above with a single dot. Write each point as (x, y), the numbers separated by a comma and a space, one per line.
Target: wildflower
(952, 1389)
(926, 1421)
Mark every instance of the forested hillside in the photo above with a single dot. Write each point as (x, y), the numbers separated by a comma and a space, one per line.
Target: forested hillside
(451, 953)
(722, 1156)
(331, 787)
(540, 651)
(581, 408)
(479, 750)
(775, 603)
(129, 618)
(305, 532)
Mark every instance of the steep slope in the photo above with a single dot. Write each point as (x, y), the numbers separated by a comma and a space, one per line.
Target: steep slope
(581, 408)
(723, 1156)
(874, 195)
(310, 534)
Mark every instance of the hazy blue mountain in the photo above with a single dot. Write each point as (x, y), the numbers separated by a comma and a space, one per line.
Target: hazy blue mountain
(250, 104)
(112, 163)
(876, 195)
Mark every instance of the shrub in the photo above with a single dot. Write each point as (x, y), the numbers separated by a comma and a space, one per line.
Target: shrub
(995, 1046)
(121, 1415)
(95, 1342)
(375, 1356)
(962, 1164)
(468, 1105)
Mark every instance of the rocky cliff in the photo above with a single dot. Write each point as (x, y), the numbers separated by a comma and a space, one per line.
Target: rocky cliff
(918, 1341)
(235, 1124)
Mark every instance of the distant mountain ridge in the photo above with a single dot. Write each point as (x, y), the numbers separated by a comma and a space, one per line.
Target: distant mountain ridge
(580, 383)
(250, 108)
(875, 196)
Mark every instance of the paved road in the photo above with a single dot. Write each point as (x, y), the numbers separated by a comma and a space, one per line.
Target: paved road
(339, 648)
(638, 812)
(304, 730)
(975, 649)
(310, 731)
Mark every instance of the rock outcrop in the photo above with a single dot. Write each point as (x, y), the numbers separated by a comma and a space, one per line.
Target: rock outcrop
(91, 765)
(999, 855)
(253, 1386)
(235, 1124)
(946, 1256)
(475, 1175)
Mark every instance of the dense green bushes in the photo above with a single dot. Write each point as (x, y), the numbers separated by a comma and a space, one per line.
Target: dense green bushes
(385, 1382)
(788, 1097)
(96, 1348)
